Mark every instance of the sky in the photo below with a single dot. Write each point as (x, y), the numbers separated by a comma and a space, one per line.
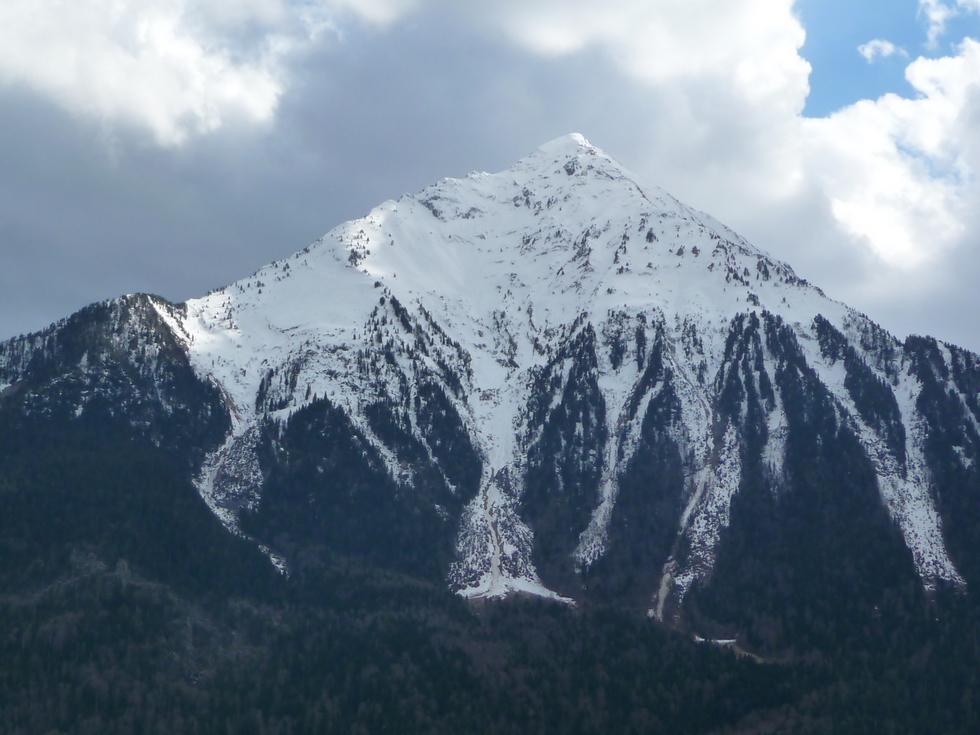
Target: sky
(174, 146)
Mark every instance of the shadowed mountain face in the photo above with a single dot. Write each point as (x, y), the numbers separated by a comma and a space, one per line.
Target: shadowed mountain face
(555, 380)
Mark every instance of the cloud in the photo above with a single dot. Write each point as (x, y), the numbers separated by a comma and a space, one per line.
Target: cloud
(176, 68)
(937, 13)
(376, 11)
(879, 48)
(725, 78)
(891, 172)
(899, 171)
(752, 43)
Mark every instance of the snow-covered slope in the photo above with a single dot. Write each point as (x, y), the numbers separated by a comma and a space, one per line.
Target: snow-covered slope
(479, 285)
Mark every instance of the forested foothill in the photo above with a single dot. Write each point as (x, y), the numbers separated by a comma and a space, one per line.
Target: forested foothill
(127, 608)
(102, 649)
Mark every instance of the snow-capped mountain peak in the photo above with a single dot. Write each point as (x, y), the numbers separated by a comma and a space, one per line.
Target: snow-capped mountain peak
(571, 378)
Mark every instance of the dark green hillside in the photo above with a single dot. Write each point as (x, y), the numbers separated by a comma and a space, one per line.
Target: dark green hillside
(98, 444)
(651, 496)
(810, 560)
(564, 464)
(949, 403)
(327, 491)
(106, 650)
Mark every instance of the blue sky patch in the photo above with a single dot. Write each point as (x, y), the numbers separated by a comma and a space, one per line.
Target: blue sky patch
(836, 28)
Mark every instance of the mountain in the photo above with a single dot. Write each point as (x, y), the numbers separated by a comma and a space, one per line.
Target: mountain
(556, 380)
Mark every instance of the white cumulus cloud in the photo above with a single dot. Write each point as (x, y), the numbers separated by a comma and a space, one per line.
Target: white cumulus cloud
(937, 13)
(899, 171)
(879, 48)
(725, 76)
(752, 43)
(174, 67)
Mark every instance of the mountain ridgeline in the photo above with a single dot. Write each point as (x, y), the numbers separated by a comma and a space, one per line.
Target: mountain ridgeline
(554, 381)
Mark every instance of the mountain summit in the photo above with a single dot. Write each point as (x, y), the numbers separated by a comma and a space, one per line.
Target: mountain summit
(555, 380)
